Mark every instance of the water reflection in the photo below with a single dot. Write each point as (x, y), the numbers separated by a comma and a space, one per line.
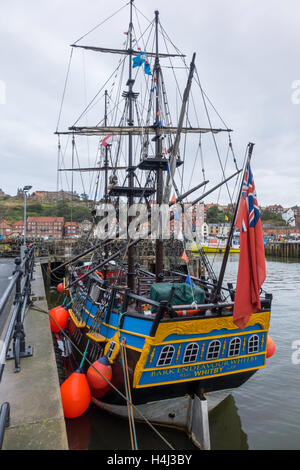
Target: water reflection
(226, 428)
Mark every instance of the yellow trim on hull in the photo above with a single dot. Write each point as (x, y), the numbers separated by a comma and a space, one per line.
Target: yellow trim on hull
(189, 327)
(79, 324)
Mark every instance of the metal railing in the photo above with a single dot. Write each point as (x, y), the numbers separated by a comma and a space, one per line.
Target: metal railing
(20, 283)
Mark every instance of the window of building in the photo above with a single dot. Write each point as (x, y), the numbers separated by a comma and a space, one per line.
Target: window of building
(253, 344)
(234, 347)
(166, 356)
(191, 353)
(213, 350)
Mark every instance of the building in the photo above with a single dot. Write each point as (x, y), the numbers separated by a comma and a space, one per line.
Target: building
(85, 227)
(278, 232)
(5, 228)
(275, 209)
(71, 229)
(296, 210)
(289, 217)
(45, 227)
(18, 228)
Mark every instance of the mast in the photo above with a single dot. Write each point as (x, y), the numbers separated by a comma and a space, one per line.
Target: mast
(175, 147)
(130, 82)
(105, 178)
(159, 252)
(216, 293)
(106, 151)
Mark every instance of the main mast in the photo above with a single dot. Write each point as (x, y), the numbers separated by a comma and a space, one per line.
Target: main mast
(159, 252)
(130, 82)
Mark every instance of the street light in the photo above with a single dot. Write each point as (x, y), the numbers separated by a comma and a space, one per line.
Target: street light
(25, 190)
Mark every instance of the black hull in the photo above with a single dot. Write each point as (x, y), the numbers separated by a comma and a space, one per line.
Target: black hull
(163, 392)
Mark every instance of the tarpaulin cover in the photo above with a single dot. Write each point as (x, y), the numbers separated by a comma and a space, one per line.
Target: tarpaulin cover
(184, 294)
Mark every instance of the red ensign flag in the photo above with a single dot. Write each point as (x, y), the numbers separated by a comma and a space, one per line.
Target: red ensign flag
(252, 265)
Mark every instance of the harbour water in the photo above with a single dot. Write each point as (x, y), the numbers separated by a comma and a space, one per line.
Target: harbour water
(264, 413)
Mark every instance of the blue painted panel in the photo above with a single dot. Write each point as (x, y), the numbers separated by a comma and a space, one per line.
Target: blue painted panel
(221, 332)
(204, 370)
(138, 325)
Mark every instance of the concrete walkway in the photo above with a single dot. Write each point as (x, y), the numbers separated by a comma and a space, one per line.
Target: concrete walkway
(36, 415)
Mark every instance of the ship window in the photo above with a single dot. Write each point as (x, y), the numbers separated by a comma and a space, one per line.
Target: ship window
(213, 350)
(111, 349)
(166, 356)
(253, 344)
(234, 347)
(191, 352)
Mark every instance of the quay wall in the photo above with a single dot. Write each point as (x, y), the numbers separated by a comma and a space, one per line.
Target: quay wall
(284, 250)
(36, 415)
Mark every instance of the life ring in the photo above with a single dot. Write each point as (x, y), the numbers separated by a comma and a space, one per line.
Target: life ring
(187, 313)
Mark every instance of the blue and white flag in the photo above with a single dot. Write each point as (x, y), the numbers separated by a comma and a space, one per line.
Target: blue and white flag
(189, 281)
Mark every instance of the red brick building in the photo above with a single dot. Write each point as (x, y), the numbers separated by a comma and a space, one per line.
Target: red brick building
(277, 231)
(5, 228)
(71, 229)
(275, 209)
(45, 227)
(18, 227)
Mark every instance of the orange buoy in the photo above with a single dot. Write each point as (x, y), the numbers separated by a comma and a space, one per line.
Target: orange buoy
(99, 386)
(75, 394)
(58, 316)
(60, 287)
(270, 346)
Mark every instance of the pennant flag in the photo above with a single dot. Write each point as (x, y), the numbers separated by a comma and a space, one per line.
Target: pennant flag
(107, 140)
(173, 200)
(252, 266)
(184, 257)
(189, 281)
(176, 216)
(147, 69)
(138, 61)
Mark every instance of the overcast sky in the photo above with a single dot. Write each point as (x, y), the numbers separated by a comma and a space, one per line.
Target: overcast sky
(247, 57)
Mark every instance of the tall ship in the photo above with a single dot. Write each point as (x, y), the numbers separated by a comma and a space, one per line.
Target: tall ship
(157, 342)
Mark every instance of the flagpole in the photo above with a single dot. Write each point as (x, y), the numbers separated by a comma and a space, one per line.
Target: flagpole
(216, 292)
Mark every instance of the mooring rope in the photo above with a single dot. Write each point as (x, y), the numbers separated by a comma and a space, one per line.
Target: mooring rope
(128, 394)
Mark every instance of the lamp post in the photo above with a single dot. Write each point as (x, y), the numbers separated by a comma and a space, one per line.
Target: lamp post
(23, 248)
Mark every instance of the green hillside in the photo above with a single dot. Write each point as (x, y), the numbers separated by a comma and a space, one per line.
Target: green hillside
(13, 210)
